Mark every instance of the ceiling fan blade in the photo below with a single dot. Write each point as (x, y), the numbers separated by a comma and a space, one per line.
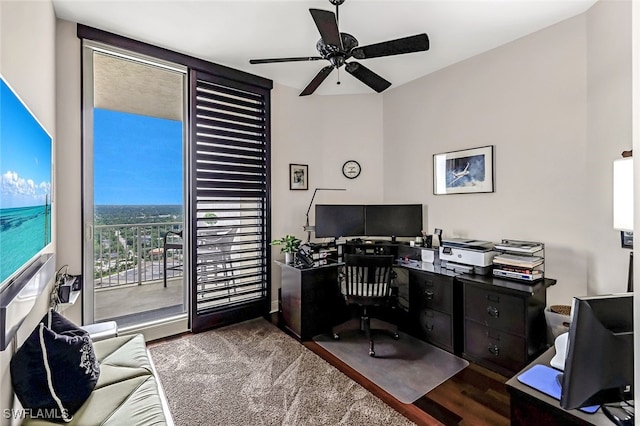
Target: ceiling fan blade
(327, 26)
(317, 80)
(299, 59)
(416, 43)
(367, 76)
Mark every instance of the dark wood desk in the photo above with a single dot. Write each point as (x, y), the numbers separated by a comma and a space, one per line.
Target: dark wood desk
(531, 407)
(497, 323)
(310, 299)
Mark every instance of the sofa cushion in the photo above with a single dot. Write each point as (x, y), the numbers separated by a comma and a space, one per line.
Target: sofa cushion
(127, 391)
(56, 368)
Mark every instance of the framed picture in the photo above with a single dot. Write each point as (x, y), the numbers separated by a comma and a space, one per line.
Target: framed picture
(626, 238)
(298, 176)
(463, 172)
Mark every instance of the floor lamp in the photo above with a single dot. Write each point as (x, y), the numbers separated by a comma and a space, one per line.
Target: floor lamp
(623, 205)
(308, 228)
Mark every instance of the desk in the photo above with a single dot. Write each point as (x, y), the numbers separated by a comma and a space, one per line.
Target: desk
(531, 407)
(310, 298)
(504, 323)
(497, 323)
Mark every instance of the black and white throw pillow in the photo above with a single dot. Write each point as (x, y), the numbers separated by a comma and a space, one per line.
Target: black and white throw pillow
(55, 370)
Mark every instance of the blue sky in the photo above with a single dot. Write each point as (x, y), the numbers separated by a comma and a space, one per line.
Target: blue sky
(137, 159)
(25, 154)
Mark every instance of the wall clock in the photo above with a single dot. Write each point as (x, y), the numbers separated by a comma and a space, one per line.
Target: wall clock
(351, 169)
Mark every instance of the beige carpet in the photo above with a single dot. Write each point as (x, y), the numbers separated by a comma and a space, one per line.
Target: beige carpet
(254, 374)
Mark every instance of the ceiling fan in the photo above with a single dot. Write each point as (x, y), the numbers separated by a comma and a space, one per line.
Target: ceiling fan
(338, 47)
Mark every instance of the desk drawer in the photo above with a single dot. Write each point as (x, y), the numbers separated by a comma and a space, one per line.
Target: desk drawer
(494, 309)
(431, 291)
(494, 346)
(436, 327)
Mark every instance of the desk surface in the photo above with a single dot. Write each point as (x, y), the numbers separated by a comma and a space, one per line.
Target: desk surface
(517, 389)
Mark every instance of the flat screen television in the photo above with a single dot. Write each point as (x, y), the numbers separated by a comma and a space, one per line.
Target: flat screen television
(393, 220)
(339, 220)
(599, 363)
(25, 186)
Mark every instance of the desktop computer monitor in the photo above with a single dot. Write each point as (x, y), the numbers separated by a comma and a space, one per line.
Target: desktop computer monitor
(339, 220)
(599, 364)
(393, 220)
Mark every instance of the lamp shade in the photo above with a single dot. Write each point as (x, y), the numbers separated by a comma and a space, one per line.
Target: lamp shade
(623, 194)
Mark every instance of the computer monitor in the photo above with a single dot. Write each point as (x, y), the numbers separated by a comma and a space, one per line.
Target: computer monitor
(339, 220)
(393, 220)
(599, 364)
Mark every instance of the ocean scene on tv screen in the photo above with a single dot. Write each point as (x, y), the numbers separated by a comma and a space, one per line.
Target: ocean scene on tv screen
(25, 184)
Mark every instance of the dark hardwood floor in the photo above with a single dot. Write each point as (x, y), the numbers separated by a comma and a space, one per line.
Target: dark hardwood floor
(475, 396)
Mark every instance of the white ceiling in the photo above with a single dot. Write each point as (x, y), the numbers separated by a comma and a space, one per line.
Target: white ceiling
(232, 32)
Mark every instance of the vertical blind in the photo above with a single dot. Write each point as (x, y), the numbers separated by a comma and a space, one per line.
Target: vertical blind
(230, 162)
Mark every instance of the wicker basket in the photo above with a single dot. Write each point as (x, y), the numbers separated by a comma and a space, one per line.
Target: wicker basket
(558, 319)
(560, 309)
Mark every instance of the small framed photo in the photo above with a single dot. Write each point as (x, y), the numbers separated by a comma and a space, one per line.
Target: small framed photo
(463, 172)
(298, 176)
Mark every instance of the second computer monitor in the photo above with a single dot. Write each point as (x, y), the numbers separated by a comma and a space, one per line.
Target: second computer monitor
(393, 220)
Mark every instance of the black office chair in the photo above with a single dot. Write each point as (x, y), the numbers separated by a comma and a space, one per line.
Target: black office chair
(366, 282)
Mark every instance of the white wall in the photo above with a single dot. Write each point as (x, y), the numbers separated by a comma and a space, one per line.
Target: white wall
(323, 132)
(635, 44)
(68, 153)
(27, 62)
(608, 134)
(539, 101)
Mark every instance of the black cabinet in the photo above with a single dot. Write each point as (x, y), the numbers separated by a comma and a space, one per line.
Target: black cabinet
(433, 309)
(310, 300)
(504, 322)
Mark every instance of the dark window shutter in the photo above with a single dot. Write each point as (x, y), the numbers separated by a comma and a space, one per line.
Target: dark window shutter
(230, 199)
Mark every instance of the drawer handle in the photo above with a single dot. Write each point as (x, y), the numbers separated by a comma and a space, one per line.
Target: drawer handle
(493, 298)
(493, 312)
(494, 350)
(428, 327)
(428, 294)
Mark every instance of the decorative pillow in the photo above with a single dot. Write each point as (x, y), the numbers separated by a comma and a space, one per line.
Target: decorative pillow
(55, 370)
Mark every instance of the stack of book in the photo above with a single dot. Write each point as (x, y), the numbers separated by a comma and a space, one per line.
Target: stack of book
(519, 260)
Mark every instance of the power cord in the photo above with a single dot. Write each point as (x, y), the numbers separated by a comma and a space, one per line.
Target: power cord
(622, 413)
(61, 278)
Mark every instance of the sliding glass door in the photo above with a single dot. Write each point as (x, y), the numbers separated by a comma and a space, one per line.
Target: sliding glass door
(134, 215)
(176, 181)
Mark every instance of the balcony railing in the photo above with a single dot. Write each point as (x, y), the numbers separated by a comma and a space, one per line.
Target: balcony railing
(132, 253)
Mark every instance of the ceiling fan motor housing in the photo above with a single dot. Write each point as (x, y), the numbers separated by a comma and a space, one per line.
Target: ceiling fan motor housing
(333, 53)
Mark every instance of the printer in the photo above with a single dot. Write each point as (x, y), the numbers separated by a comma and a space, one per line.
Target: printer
(467, 256)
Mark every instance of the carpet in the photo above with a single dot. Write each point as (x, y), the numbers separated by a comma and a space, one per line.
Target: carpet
(406, 368)
(252, 373)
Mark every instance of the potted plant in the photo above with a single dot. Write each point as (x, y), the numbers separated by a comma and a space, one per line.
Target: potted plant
(290, 245)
